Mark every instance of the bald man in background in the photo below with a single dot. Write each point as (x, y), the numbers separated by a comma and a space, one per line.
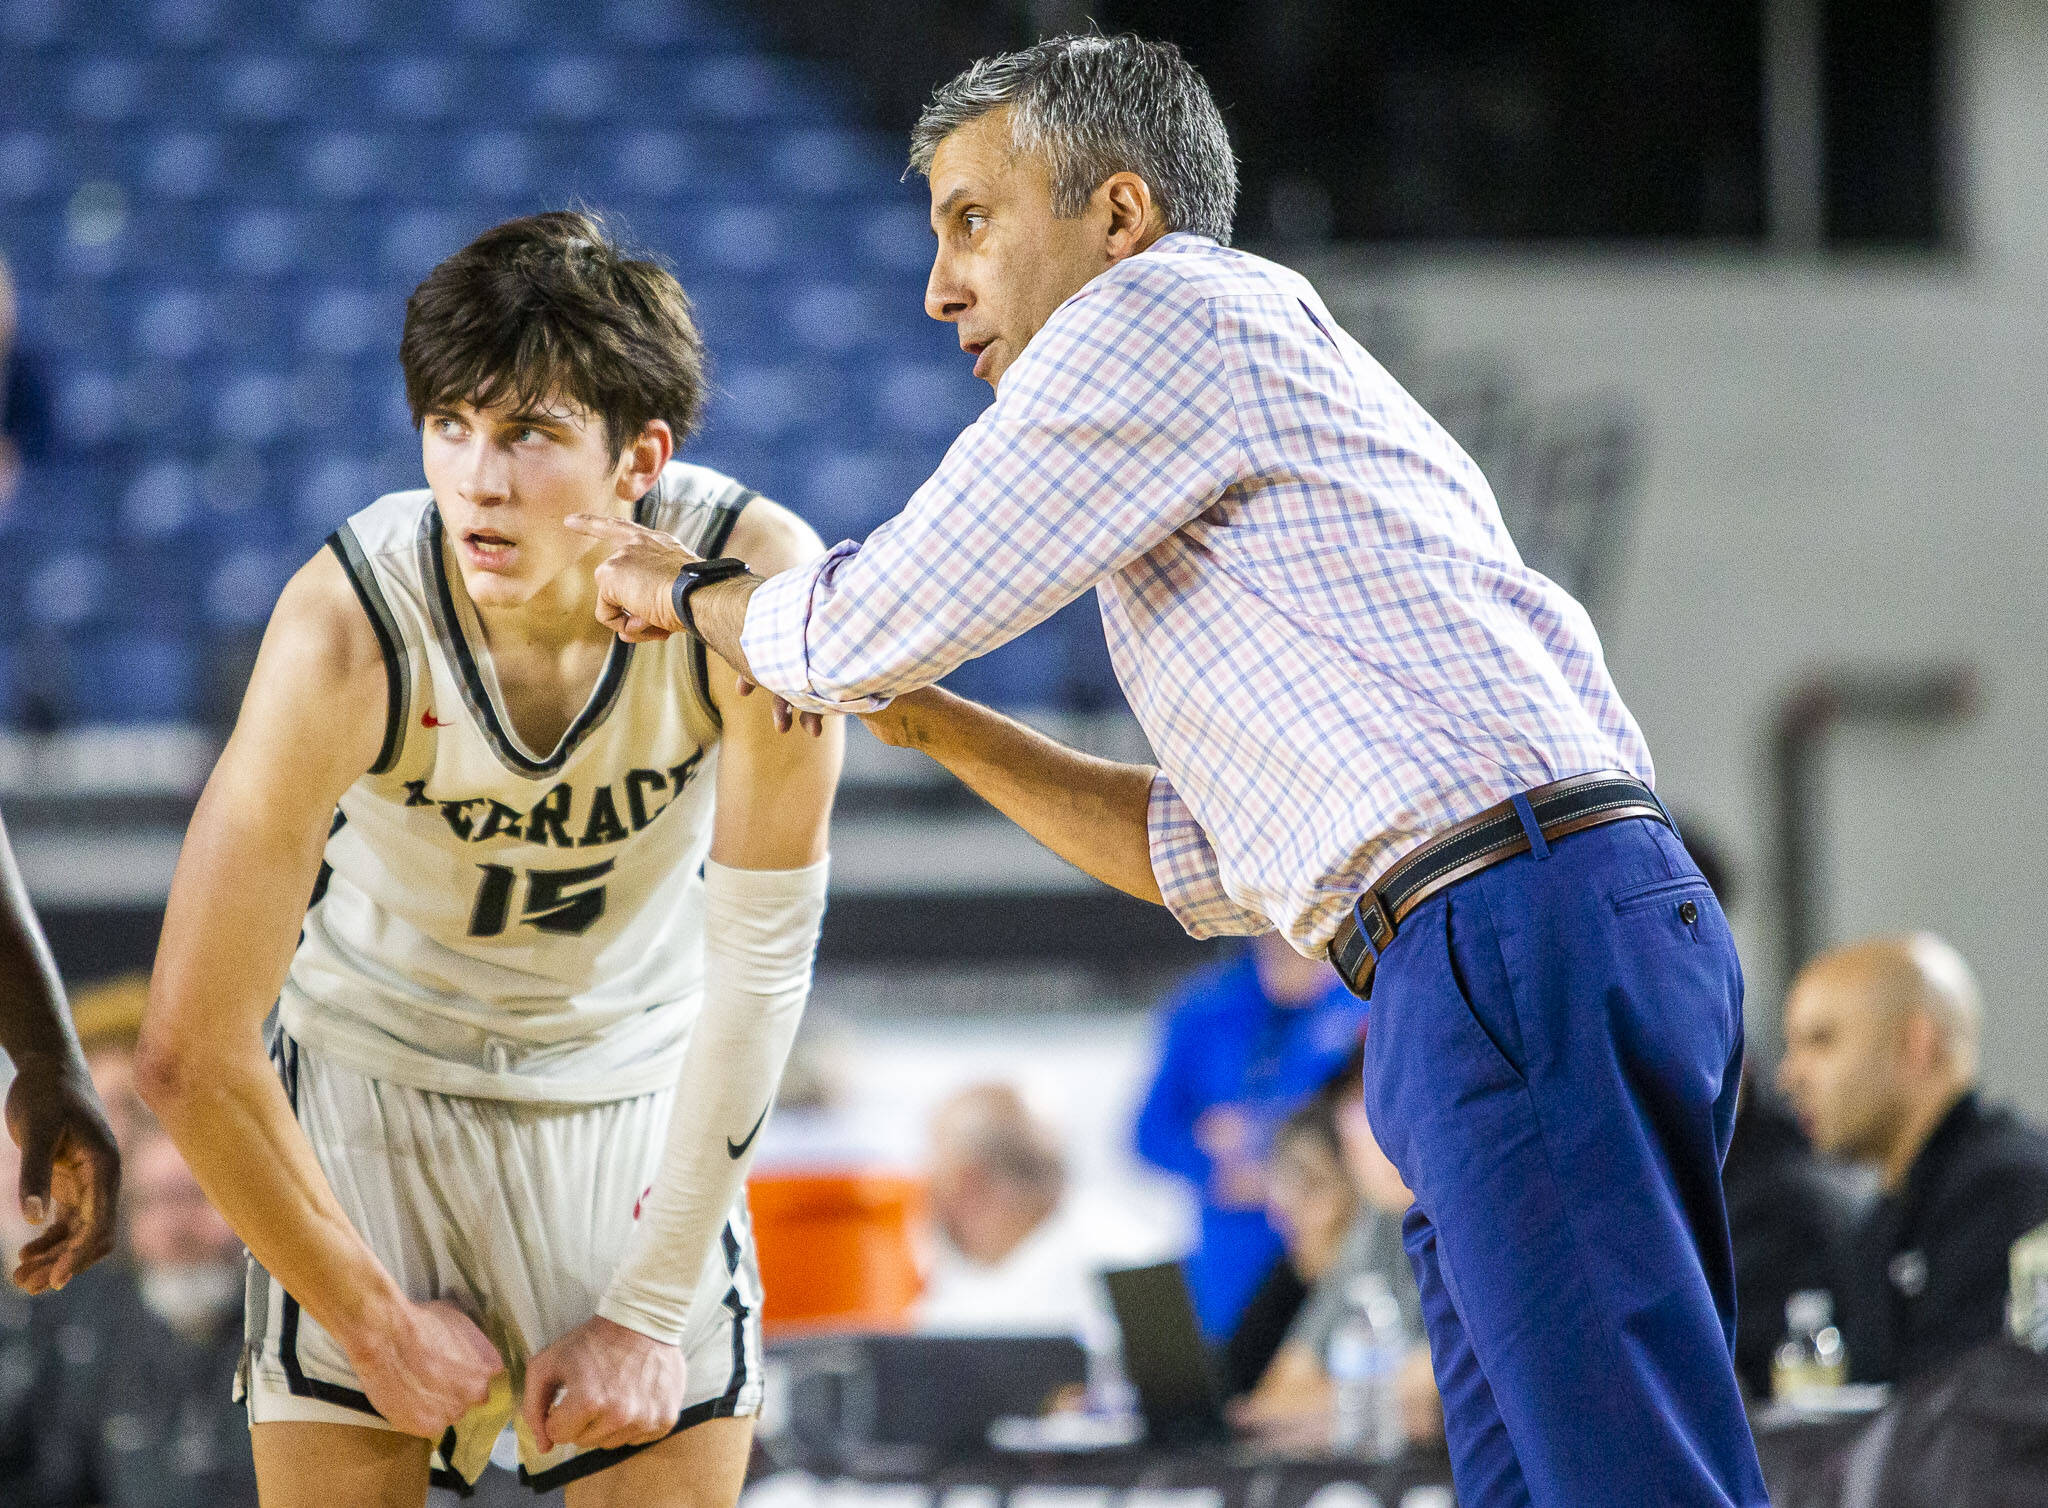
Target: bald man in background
(1881, 1046)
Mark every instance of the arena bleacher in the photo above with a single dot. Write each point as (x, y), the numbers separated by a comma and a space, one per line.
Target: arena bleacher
(213, 243)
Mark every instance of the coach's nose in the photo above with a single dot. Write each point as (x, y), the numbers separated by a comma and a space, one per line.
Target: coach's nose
(946, 296)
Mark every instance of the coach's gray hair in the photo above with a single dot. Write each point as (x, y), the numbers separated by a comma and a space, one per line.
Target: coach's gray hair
(1096, 106)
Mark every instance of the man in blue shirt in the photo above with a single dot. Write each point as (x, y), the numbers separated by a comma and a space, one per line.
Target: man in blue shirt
(1245, 1044)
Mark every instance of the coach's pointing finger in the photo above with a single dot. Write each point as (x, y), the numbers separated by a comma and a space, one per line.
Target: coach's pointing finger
(634, 582)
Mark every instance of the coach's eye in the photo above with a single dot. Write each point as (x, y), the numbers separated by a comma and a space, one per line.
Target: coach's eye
(973, 221)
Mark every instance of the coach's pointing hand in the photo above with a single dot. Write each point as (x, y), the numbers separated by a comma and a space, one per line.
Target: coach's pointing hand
(426, 1368)
(601, 1386)
(634, 581)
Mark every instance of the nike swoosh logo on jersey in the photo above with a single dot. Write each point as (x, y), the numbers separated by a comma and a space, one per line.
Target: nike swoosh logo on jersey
(428, 720)
(736, 1153)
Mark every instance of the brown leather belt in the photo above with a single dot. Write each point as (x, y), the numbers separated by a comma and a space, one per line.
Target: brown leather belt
(1500, 832)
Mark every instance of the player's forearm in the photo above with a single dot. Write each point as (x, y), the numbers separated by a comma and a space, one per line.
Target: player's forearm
(1089, 811)
(228, 1114)
(34, 1026)
(761, 931)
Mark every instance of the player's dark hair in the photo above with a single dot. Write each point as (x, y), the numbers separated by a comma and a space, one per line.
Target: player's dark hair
(1096, 106)
(548, 306)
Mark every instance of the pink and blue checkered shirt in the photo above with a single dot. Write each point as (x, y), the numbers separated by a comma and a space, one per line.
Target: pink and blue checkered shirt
(1310, 598)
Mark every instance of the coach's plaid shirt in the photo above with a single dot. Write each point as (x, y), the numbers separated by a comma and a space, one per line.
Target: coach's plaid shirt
(1311, 601)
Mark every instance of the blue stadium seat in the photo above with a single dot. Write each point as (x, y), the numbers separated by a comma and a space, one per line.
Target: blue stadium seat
(348, 322)
(262, 243)
(844, 493)
(417, 89)
(328, 490)
(936, 398)
(347, 164)
(897, 238)
(175, 322)
(183, 23)
(1027, 672)
(253, 408)
(336, 23)
(496, 164)
(67, 590)
(417, 239)
(572, 88)
(31, 23)
(184, 164)
(91, 408)
(109, 89)
(242, 587)
(161, 500)
(28, 165)
(135, 678)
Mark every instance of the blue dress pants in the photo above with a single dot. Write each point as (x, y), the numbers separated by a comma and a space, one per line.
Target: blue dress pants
(1551, 1062)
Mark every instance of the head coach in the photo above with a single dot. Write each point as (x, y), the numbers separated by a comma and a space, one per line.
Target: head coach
(1377, 730)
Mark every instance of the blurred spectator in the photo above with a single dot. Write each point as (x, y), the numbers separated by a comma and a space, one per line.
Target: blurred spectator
(1338, 1203)
(108, 1018)
(1245, 1044)
(1881, 1062)
(1014, 1256)
(1789, 1217)
(133, 1402)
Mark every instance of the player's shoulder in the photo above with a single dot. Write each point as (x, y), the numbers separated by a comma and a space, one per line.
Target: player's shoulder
(720, 514)
(770, 538)
(320, 619)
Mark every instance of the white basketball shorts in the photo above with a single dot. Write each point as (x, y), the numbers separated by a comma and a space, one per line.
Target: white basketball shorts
(519, 1213)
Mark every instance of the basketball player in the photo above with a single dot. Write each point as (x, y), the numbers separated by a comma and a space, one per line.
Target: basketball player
(560, 886)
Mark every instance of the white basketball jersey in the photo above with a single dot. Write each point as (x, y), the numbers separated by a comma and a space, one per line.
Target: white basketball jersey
(494, 920)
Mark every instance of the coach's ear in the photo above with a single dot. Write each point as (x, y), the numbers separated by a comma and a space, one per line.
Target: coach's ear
(640, 463)
(1133, 218)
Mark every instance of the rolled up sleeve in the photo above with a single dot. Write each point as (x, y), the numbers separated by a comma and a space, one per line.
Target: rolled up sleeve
(1185, 867)
(1112, 430)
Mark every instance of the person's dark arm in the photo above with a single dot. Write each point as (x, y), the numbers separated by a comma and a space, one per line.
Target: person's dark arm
(70, 1170)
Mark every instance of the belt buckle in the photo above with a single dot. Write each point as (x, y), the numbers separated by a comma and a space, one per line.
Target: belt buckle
(1373, 931)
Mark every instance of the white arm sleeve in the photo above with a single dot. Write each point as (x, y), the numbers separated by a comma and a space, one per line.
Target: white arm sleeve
(760, 935)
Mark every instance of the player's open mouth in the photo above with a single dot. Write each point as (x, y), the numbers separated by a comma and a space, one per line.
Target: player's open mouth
(978, 349)
(487, 549)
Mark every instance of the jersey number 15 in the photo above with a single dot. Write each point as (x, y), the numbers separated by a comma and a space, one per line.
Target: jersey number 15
(557, 900)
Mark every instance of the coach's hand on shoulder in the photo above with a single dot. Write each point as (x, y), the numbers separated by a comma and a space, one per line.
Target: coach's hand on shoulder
(427, 1367)
(602, 1386)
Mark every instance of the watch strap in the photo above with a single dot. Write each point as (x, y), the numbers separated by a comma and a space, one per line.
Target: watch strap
(700, 573)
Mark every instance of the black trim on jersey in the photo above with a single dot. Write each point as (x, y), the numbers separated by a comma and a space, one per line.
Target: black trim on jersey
(285, 1053)
(397, 669)
(326, 875)
(602, 697)
(585, 1463)
(725, 516)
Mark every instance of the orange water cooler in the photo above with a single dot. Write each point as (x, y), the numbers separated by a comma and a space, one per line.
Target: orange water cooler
(838, 1249)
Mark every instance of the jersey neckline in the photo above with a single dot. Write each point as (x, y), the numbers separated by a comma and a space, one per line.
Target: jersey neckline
(451, 626)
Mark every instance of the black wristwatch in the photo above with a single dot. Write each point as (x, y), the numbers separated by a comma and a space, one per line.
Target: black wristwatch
(701, 573)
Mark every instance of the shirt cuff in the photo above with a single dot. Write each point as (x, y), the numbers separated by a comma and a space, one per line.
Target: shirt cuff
(773, 638)
(1184, 864)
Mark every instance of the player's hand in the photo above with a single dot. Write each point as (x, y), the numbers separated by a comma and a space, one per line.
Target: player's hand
(601, 1386)
(427, 1368)
(70, 1171)
(635, 581)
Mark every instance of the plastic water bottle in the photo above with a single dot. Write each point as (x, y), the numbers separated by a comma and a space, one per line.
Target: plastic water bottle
(1810, 1357)
(1366, 1350)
